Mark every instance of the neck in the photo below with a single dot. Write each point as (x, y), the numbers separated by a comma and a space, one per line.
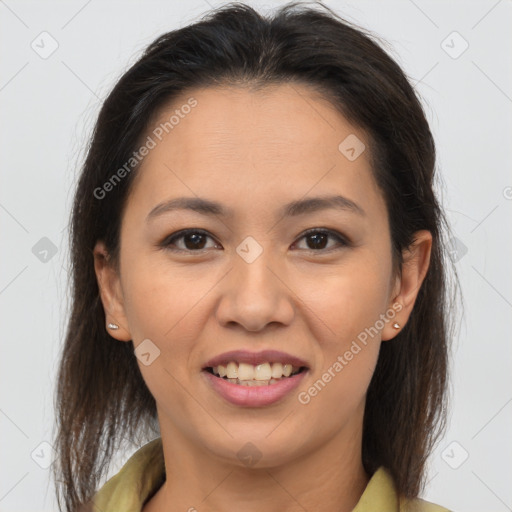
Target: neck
(331, 476)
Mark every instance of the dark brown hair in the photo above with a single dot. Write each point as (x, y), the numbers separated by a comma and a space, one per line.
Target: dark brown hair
(101, 397)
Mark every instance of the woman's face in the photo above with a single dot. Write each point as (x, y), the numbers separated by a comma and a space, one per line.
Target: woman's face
(248, 277)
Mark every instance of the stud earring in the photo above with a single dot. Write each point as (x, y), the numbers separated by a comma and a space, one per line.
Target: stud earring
(396, 325)
(112, 326)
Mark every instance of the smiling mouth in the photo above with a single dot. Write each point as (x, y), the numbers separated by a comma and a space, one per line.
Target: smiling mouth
(263, 374)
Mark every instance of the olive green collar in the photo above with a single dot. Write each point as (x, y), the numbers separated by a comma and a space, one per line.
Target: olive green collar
(144, 473)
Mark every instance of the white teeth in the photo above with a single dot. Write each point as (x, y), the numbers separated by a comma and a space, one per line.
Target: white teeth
(287, 370)
(232, 370)
(251, 383)
(277, 370)
(245, 371)
(263, 372)
(247, 374)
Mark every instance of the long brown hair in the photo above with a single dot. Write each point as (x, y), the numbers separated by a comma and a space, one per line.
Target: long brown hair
(101, 398)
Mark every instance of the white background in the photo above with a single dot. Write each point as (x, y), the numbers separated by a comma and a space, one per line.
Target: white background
(47, 110)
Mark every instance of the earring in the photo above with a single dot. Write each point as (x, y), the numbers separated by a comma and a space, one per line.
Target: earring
(396, 325)
(112, 326)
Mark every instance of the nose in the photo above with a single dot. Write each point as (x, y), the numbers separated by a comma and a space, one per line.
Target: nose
(254, 295)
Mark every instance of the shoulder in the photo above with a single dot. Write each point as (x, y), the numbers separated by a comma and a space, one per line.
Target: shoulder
(139, 478)
(420, 505)
(380, 494)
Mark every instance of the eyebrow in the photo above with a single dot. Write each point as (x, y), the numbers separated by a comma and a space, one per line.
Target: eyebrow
(295, 208)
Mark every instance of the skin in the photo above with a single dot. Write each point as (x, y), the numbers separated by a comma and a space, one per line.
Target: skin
(254, 151)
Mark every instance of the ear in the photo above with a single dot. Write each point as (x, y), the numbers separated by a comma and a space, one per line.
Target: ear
(416, 260)
(111, 293)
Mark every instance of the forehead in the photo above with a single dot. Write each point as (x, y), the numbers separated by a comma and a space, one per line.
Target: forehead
(237, 144)
(280, 122)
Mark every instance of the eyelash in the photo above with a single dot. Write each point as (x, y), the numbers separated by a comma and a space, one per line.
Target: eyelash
(168, 241)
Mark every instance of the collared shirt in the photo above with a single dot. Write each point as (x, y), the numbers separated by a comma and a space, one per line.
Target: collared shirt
(144, 473)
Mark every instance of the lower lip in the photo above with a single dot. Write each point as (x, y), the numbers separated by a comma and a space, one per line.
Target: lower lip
(254, 396)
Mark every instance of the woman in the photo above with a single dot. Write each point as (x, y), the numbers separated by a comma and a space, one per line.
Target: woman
(260, 283)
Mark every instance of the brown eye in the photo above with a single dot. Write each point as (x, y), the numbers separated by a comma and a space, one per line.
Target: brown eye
(187, 240)
(194, 240)
(318, 240)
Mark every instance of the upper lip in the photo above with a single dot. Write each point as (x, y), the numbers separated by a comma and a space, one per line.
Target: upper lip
(255, 358)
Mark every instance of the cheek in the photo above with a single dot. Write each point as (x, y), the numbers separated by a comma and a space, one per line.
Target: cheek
(349, 306)
(161, 301)
(164, 309)
(346, 305)
(338, 392)
(348, 300)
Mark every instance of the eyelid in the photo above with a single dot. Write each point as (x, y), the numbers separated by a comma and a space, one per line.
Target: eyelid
(166, 242)
(342, 240)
